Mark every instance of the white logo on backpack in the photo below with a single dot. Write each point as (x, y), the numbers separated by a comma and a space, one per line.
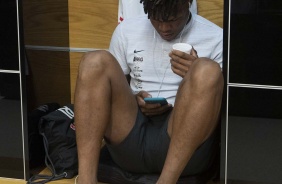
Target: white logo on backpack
(67, 111)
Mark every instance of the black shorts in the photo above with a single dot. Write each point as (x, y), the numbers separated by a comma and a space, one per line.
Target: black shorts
(144, 150)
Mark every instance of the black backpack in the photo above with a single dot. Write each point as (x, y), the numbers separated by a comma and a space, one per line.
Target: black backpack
(35, 143)
(58, 132)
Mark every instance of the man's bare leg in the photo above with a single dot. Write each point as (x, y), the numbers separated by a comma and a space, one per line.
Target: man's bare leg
(194, 117)
(104, 105)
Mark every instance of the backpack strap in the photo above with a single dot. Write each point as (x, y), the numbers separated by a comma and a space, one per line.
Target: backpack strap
(42, 179)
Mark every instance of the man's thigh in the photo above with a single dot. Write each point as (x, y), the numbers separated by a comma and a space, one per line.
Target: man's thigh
(122, 105)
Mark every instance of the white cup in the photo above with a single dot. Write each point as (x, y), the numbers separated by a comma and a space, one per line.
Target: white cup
(184, 47)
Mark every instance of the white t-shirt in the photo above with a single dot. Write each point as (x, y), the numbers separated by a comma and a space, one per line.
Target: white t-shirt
(133, 8)
(143, 54)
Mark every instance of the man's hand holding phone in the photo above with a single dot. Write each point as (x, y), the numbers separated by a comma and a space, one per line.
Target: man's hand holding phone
(151, 106)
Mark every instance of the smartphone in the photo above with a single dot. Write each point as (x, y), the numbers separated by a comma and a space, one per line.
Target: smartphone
(159, 100)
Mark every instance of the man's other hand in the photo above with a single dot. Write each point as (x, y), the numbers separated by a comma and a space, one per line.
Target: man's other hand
(181, 61)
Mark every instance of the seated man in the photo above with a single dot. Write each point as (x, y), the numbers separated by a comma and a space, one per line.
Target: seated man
(172, 140)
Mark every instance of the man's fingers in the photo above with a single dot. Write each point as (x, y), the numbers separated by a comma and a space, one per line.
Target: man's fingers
(181, 73)
(194, 53)
(179, 68)
(180, 64)
(179, 54)
(144, 94)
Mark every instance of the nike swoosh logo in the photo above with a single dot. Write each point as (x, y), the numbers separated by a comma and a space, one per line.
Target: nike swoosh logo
(136, 51)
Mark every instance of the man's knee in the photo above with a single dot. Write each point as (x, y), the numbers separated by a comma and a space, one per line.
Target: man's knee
(206, 72)
(95, 62)
(96, 58)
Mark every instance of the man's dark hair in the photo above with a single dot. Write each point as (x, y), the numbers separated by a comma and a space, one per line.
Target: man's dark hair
(162, 9)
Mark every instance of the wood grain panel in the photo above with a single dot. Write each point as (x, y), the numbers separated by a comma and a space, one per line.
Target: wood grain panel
(211, 10)
(92, 22)
(49, 78)
(46, 22)
(11, 181)
(75, 58)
